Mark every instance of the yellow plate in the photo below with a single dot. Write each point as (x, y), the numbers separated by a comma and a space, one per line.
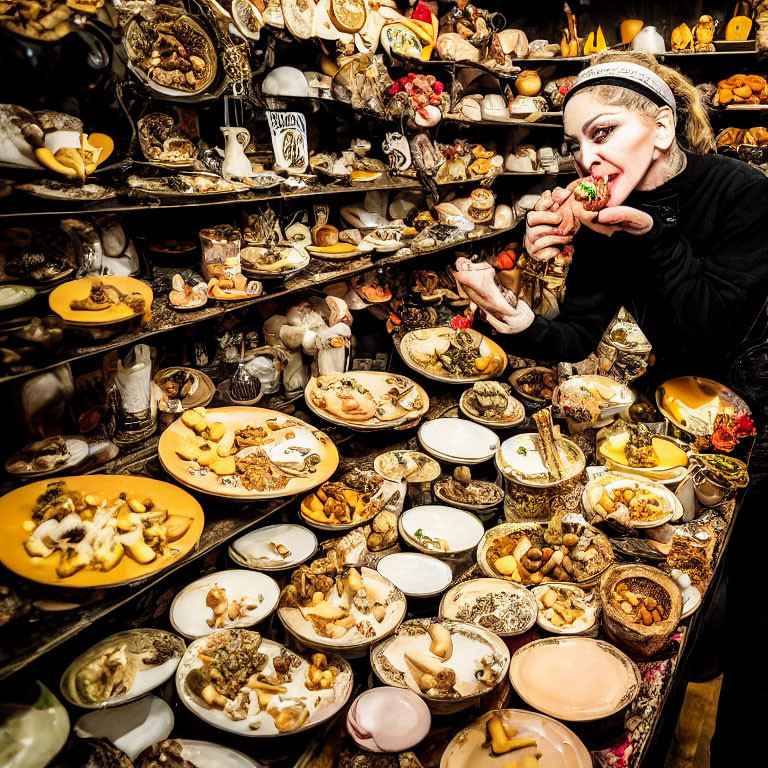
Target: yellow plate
(188, 472)
(16, 509)
(670, 455)
(62, 296)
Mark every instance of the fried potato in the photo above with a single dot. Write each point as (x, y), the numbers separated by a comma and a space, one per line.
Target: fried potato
(224, 466)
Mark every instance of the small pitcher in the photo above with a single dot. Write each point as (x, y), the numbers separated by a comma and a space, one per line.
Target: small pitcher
(236, 163)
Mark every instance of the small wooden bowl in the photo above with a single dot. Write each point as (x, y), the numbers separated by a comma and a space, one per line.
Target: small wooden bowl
(638, 638)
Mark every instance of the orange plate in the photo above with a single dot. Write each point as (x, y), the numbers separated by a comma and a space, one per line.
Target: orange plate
(238, 417)
(61, 297)
(16, 509)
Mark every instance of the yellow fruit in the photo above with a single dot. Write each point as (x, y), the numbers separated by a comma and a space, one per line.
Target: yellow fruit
(629, 28)
(104, 143)
(682, 38)
(46, 158)
(738, 28)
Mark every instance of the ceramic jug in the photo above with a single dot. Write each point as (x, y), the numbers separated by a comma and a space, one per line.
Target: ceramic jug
(648, 39)
(235, 161)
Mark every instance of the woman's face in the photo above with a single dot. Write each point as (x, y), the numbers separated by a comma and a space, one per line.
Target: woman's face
(610, 141)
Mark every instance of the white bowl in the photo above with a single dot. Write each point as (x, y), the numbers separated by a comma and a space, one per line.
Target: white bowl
(470, 644)
(582, 624)
(252, 550)
(458, 440)
(188, 612)
(460, 529)
(416, 574)
(132, 727)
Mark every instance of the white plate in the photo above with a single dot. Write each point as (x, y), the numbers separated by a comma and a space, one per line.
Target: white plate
(322, 704)
(78, 452)
(617, 480)
(558, 746)
(416, 574)
(132, 727)
(252, 550)
(458, 440)
(386, 719)
(460, 529)
(204, 754)
(145, 680)
(691, 601)
(466, 594)
(188, 612)
(618, 404)
(578, 679)
(513, 415)
(15, 295)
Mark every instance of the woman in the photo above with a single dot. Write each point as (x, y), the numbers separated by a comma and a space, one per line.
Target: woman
(681, 243)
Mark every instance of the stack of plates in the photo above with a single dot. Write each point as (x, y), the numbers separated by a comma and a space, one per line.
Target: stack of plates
(458, 441)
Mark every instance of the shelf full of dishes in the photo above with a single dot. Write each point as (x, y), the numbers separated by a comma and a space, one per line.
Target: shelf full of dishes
(271, 254)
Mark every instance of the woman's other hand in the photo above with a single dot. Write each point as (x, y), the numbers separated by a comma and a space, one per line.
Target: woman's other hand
(619, 218)
(550, 225)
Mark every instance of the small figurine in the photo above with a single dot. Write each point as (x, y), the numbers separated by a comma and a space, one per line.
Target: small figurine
(569, 42)
(682, 38)
(704, 33)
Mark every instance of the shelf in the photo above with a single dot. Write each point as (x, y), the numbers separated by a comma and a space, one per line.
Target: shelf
(49, 629)
(165, 319)
(148, 204)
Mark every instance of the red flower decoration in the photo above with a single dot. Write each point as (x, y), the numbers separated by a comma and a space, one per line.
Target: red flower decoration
(723, 439)
(422, 13)
(459, 323)
(743, 426)
(437, 87)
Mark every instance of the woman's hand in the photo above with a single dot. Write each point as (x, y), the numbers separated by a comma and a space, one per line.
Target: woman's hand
(619, 218)
(551, 224)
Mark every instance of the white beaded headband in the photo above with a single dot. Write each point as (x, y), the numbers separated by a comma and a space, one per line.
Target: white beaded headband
(626, 74)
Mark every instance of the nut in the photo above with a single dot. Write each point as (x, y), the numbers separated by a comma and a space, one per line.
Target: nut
(570, 540)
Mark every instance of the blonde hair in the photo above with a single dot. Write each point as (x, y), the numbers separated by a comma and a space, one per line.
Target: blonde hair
(694, 131)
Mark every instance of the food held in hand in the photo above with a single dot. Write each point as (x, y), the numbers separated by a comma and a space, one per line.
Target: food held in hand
(592, 192)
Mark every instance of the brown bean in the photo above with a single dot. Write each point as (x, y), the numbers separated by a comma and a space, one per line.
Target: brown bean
(534, 553)
(570, 540)
(546, 553)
